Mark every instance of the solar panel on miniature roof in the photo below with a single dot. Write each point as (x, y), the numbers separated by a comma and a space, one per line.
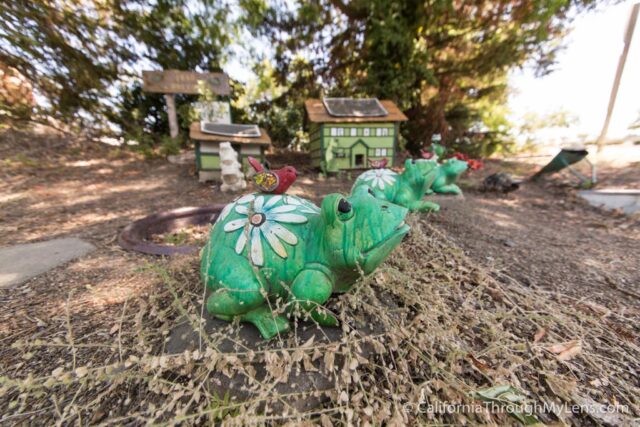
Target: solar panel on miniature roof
(350, 107)
(240, 131)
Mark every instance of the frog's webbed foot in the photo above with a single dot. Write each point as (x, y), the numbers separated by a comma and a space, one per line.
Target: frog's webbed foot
(267, 321)
(323, 317)
(311, 289)
(424, 206)
(449, 189)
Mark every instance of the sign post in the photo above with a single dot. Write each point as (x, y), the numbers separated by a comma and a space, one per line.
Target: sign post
(170, 100)
(171, 82)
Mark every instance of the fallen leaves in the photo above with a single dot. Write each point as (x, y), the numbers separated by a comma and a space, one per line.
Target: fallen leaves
(480, 364)
(561, 386)
(506, 394)
(566, 351)
(539, 335)
(81, 371)
(443, 335)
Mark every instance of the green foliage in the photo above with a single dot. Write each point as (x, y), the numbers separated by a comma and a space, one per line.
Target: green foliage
(557, 119)
(69, 51)
(139, 113)
(444, 63)
(170, 145)
(141, 142)
(533, 122)
(175, 34)
(178, 238)
(84, 58)
(278, 106)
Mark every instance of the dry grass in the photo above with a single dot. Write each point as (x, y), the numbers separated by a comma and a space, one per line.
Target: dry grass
(443, 330)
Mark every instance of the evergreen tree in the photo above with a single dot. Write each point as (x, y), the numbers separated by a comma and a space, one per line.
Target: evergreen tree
(444, 62)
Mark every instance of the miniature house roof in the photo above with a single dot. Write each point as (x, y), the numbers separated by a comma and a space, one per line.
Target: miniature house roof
(196, 134)
(318, 113)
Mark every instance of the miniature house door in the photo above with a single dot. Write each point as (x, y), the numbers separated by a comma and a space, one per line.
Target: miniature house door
(359, 154)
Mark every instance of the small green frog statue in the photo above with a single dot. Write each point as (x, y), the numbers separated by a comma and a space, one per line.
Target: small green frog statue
(447, 174)
(406, 189)
(269, 256)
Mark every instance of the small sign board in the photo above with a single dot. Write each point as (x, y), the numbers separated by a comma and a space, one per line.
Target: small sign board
(176, 81)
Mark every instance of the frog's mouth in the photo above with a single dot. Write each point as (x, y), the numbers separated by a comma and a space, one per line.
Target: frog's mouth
(378, 252)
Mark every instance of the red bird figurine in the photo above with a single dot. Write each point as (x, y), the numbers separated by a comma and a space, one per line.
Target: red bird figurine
(276, 182)
(378, 164)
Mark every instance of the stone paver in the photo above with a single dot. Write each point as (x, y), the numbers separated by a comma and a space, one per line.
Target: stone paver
(20, 263)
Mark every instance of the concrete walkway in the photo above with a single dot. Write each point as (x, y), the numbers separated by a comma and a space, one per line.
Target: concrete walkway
(20, 263)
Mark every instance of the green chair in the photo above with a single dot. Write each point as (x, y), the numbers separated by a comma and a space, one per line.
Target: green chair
(564, 159)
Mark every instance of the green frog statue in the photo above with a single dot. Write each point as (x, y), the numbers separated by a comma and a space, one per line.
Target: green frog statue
(405, 189)
(272, 255)
(447, 174)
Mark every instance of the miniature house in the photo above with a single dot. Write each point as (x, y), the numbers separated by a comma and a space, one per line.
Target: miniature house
(207, 147)
(346, 133)
(215, 128)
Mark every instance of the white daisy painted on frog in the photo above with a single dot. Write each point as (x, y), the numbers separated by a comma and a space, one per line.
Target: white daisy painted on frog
(303, 205)
(379, 177)
(264, 222)
(227, 209)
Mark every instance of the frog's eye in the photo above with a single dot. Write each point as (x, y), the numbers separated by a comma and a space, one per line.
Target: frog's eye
(345, 211)
(344, 206)
(371, 192)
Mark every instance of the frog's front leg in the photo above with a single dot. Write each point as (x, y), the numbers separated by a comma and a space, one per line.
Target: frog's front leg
(309, 291)
(237, 292)
(423, 206)
(449, 188)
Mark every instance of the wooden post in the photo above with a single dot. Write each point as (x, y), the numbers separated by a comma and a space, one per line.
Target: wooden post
(633, 17)
(170, 99)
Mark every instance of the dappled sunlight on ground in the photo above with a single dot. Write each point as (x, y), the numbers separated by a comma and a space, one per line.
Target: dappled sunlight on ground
(501, 219)
(94, 283)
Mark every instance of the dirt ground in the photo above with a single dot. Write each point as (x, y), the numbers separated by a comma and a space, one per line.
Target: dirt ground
(542, 235)
(548, 238)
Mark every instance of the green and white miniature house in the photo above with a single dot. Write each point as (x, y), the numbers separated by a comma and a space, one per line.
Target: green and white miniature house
(214, 128)
(346, 133)
(207, 147)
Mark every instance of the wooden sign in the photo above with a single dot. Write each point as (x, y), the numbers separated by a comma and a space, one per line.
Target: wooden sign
(176, 81)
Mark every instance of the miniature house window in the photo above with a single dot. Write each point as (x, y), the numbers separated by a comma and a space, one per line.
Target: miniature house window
(354, 131)
(378, 131)
(359, 159)
(381, 152)
(334, 131)
(340, 131)
(385, 131)
(366, 132)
